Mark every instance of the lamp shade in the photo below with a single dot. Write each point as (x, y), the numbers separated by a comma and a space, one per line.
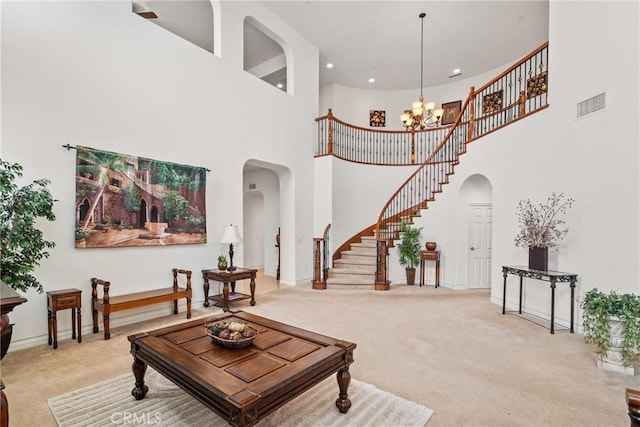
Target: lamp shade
(231, 235)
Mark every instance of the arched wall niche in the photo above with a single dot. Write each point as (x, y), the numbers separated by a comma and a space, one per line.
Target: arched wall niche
(266, 55)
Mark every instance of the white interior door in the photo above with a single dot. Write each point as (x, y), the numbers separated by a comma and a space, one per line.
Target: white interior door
(480, 220)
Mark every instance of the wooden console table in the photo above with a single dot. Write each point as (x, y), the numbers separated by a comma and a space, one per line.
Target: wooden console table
(550, 276)
(430, 256)
(229, 278)
(62, 300)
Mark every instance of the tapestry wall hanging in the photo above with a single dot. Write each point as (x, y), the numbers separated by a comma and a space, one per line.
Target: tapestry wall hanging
(124, 200)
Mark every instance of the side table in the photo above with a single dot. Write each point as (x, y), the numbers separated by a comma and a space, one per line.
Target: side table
(430, 256)
(61, 300)
(229, 278)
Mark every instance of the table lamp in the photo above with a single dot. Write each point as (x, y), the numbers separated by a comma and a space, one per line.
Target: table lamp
(231, 235)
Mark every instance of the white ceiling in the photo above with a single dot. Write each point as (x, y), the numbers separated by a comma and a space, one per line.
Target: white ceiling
(381, 39)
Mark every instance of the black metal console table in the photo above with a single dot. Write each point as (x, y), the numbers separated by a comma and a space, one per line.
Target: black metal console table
(548, 276)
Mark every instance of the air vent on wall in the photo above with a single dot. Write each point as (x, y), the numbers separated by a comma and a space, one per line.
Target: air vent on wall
(252, 186)
(591, 105)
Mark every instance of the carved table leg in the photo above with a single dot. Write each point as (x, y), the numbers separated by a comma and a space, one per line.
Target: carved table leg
(4, 407)
(79, 324)
(206, 291)
(73, 323)
(342, 402)
(140, 390)
(54, 327)
(50, 326)
(225, 296)
(252, 286)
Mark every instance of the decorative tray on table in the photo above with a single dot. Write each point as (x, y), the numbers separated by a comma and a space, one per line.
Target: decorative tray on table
(231, 333)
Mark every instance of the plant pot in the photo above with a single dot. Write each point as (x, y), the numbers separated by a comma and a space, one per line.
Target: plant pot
(411, 276)
(222, 267)
(538, 258)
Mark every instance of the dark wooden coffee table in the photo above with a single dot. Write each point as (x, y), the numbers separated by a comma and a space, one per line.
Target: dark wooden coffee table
(243, 385)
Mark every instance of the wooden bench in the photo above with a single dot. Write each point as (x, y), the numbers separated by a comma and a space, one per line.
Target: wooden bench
(107, 305)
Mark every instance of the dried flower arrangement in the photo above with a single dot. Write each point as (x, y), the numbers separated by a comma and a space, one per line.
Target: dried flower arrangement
(539, 226)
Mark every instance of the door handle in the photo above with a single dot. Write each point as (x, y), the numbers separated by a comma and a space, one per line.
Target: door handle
(472, 248)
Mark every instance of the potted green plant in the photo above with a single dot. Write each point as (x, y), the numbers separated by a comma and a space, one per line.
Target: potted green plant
(22, 244)
(540, 227)
(409, 250)
(612, 322)
(222, 262)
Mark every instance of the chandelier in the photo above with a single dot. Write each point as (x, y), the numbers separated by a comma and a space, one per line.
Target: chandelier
(422, 114)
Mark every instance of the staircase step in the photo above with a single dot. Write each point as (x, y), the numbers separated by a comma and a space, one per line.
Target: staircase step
(357, 255)
(363, 271)
(357, 259)
(351, 268)
(349, 283)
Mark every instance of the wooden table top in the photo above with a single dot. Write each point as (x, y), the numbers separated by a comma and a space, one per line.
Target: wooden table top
(242, 384)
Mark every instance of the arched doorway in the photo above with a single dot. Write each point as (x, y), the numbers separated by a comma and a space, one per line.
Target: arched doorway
(476, 200)
(262, 215)
(154, 214)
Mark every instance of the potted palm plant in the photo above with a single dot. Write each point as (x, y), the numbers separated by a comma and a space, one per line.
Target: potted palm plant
(22, 244)
(612, 322)
(409, 250)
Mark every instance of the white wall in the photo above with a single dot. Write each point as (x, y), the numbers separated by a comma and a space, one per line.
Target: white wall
(95, 74)
(594, 160)
(352, 105)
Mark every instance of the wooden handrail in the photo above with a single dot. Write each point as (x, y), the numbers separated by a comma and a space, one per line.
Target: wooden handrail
(525, 58)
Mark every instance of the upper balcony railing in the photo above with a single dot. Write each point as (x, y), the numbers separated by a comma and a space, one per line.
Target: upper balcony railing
(378, 147)
(517, 92)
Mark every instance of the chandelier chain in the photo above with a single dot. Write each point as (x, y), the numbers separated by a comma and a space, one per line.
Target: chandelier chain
(422, 15)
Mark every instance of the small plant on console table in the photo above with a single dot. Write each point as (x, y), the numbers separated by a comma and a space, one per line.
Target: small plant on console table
(540, 227)
(612, 322)
(222, 262)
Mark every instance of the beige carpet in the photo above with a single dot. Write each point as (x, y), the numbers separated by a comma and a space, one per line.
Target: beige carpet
(110, 403)
(451, 351)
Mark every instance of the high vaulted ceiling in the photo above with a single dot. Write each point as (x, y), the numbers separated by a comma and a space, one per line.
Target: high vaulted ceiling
(381, 39)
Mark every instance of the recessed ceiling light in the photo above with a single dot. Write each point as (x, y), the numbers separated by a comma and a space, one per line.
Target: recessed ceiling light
(372, 80)
(455, 73)
(329, 65)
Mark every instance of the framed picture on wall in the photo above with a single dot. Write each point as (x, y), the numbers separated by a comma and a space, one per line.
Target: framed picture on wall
(450, 112)
(377, 118)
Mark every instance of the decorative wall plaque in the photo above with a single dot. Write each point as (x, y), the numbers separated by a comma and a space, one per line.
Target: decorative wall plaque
(377, 118)
(492, 102)
(537, 85)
